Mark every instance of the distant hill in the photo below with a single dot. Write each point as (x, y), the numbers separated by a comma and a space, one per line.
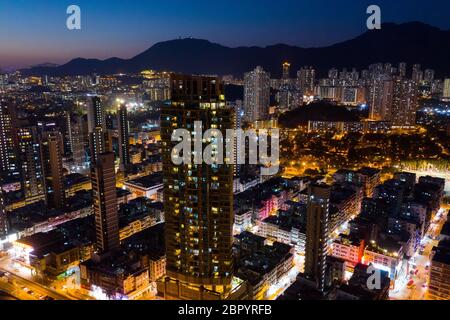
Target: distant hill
(46, 65)
(318, 111)
(413, 42)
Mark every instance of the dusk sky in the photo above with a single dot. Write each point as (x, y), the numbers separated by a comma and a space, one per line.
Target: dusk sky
(33, 32)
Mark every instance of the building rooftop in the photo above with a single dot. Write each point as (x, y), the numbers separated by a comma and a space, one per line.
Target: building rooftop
(340, 193)
(348, 240)
(387, 246)
(442, 252)
(263, 260)
(255, 196)
(74, 179)
(26, 217)
(446, 229)
(56, 248)
(357, 292)
(137, 209)
(302, 289)
(150, 181)
(367, 171)
(248, 237)
(56, 241)
(129, 259)
(287, 220)
(118, 263)
(40, 240)
(344, 171)
(123, 193)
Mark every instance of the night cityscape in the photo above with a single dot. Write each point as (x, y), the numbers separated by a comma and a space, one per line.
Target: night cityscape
(290, 156)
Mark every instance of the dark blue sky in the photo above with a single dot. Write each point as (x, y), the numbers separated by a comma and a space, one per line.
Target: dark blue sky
(34, 31)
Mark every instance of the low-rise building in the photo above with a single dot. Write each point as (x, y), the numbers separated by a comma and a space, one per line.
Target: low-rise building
(51, 255)
(286, 227)
(146, 186)
(388, 255)
(128, 273)
(261, 265)
(76, 182)
(242, 219)
(348, 248)
(138, 215)
(359, 286)
(117, 277)
(157, 267)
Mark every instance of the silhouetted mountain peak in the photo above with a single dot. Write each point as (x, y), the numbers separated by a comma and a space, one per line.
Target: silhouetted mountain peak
(412, 42)
(186, 43)
(46, 65)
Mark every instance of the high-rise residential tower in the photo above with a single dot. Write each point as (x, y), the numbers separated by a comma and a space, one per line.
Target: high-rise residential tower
(257, 95)
(446, 93)
(76, 139)
(317, 233)
(52, 153)
(379, 95)
(8, 164)
(417, 73)
(99, 140)
(198, 198)
(286, 71)
(103, 177)
(402, 69)
(305, 80)
(405, 96)
(124, 139)
(30, 163)
(96, 114)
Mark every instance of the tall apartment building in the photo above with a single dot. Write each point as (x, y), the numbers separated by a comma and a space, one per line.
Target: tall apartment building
(99, 138)
(402, 69)
(76, 139)
(257, 95)
(52, 153)
(96, 114)
(124, 139)
(198, 198)
(405, 96)
(446, 93)
(305, 80)
(379, 98)
(286, 71)
(317, 233)
(103, 177)
(8, 164)
(417, 73)
(30, 162)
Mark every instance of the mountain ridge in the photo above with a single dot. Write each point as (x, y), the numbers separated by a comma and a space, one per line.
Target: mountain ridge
(412, 42)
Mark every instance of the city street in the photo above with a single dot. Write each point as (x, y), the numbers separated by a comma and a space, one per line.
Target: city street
(21, 286)
(24, 289)
(286, 281)
(414, 286)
